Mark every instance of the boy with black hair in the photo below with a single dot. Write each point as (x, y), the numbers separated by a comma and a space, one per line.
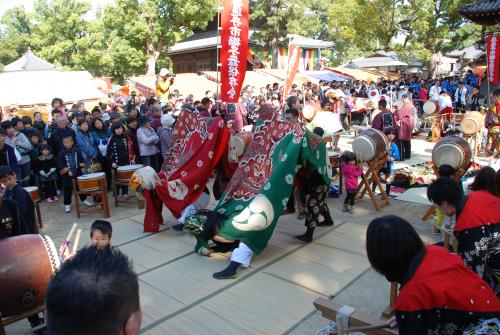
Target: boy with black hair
(97, 293)
(477, 227)
(70, 164)
(100, 234)
(15, 192)
(7, 153)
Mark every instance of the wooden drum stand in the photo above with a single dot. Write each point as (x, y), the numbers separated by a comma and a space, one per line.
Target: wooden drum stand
(372, 176)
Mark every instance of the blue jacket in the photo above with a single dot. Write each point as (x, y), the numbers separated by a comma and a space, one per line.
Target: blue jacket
(393, 153)
(25, 205)
(8, 157)
(101, 137)
(85, 143)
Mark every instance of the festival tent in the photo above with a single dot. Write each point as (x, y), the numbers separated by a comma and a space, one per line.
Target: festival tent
(33, 81)
(325, 76)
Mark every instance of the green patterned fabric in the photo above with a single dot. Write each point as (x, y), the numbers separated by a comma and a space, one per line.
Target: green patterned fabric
(259, 189)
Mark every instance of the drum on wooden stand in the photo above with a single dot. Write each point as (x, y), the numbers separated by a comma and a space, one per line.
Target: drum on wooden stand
(34, 193)
(370, 144)
(431, 107)
(472, 123)
(27, 263)
(91, 182)
(124, 173)
(454, 151)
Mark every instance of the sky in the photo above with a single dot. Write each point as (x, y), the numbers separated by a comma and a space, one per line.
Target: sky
(28, 4)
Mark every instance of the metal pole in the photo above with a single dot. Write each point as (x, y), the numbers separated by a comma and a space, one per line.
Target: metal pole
(218, 45)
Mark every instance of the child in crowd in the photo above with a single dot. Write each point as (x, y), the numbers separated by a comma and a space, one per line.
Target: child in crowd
(85, 143)
(351, 169)
(20, 142)
(120, 150)
(34, 138)
(7, 153)
(70, 164)
(147, 139)
(448, 171)
(165, 133)
(15, 192)
(39, 123)
(485, 180)
(100, 237)
(27, 126)
(388, 168)
(47, 173)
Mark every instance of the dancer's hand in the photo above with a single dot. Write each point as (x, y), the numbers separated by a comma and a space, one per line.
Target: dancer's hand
(392, 321)
(204, 252)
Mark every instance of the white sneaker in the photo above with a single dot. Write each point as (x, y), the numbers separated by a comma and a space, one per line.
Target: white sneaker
(88, 202)
(67, 208)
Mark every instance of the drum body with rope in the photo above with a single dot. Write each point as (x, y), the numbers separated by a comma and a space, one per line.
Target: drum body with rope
(472, 123)
(27, 263)
(125, 172)
(454, 151)
(34, 193)
(370, 144)
(91, 182)
(431, 107)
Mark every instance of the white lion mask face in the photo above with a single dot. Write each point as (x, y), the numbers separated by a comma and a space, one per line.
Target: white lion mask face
(177, 189)
(236, 148)
(257, 216)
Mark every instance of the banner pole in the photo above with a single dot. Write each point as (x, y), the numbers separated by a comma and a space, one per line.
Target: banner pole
(286, 75)
(218, 45)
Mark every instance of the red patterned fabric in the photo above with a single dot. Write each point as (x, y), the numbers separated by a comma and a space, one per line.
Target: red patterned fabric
(153, 217)
(200, 143)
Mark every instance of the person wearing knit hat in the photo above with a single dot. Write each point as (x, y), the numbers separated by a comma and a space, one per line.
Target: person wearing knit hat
(165, 133)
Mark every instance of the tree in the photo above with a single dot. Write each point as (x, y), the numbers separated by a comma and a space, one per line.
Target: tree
(150, 26)
(16, 35)
(273, 20)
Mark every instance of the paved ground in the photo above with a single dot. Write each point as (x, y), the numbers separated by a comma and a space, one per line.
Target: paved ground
(274, 295)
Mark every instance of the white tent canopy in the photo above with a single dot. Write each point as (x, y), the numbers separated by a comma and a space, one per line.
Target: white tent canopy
(31, 80)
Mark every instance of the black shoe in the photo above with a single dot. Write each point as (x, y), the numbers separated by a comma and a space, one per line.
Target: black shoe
(307, 237)
(328, 221)
(229, 272)
(178, 227)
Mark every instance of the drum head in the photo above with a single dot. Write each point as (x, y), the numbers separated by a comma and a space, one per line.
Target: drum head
(429, 107)
(363, 146)
(30, 188)
(92, 176)
(131, 167)
(469, 126)
(448, 154)
(308, 112)
(52, 252)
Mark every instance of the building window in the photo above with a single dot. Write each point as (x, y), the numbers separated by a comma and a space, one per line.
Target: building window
(203, 65)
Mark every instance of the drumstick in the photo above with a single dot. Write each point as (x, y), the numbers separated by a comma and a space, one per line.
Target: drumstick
(77, 240)
(68, 238)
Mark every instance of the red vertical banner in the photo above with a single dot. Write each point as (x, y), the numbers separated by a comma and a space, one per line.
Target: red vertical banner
(234, 48)
(493, 56)
(293, 65)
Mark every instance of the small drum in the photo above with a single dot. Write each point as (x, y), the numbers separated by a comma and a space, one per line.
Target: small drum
(334, 158)
(472, 123)
(370, 144)
(454, 151)
(90, 182)
(124, 173)
(431, 107)
(34, 193)
(27, 263)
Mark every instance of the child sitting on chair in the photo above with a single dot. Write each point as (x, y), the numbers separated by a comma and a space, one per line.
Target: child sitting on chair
(15, 192)
(71, 165)
(351, 169)
(46, 169)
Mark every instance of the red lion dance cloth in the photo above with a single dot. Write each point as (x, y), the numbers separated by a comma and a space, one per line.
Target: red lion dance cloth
(199, 144)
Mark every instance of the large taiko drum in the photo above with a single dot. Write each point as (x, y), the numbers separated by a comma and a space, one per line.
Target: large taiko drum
(91, 182)
(454, 151)
(431, 107)
(33, 192)
(472, 123)
(370, 144)
(27, 262)
(124, 173)
(238, 144)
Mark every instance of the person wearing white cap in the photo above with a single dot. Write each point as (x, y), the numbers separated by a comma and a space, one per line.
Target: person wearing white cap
(163, 83)
(165, 132)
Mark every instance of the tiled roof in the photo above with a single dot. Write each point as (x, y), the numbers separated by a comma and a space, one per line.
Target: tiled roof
(485, 12)
(468, 53)
(29, 62)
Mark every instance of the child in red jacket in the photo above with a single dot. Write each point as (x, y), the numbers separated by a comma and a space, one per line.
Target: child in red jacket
(351, 170)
